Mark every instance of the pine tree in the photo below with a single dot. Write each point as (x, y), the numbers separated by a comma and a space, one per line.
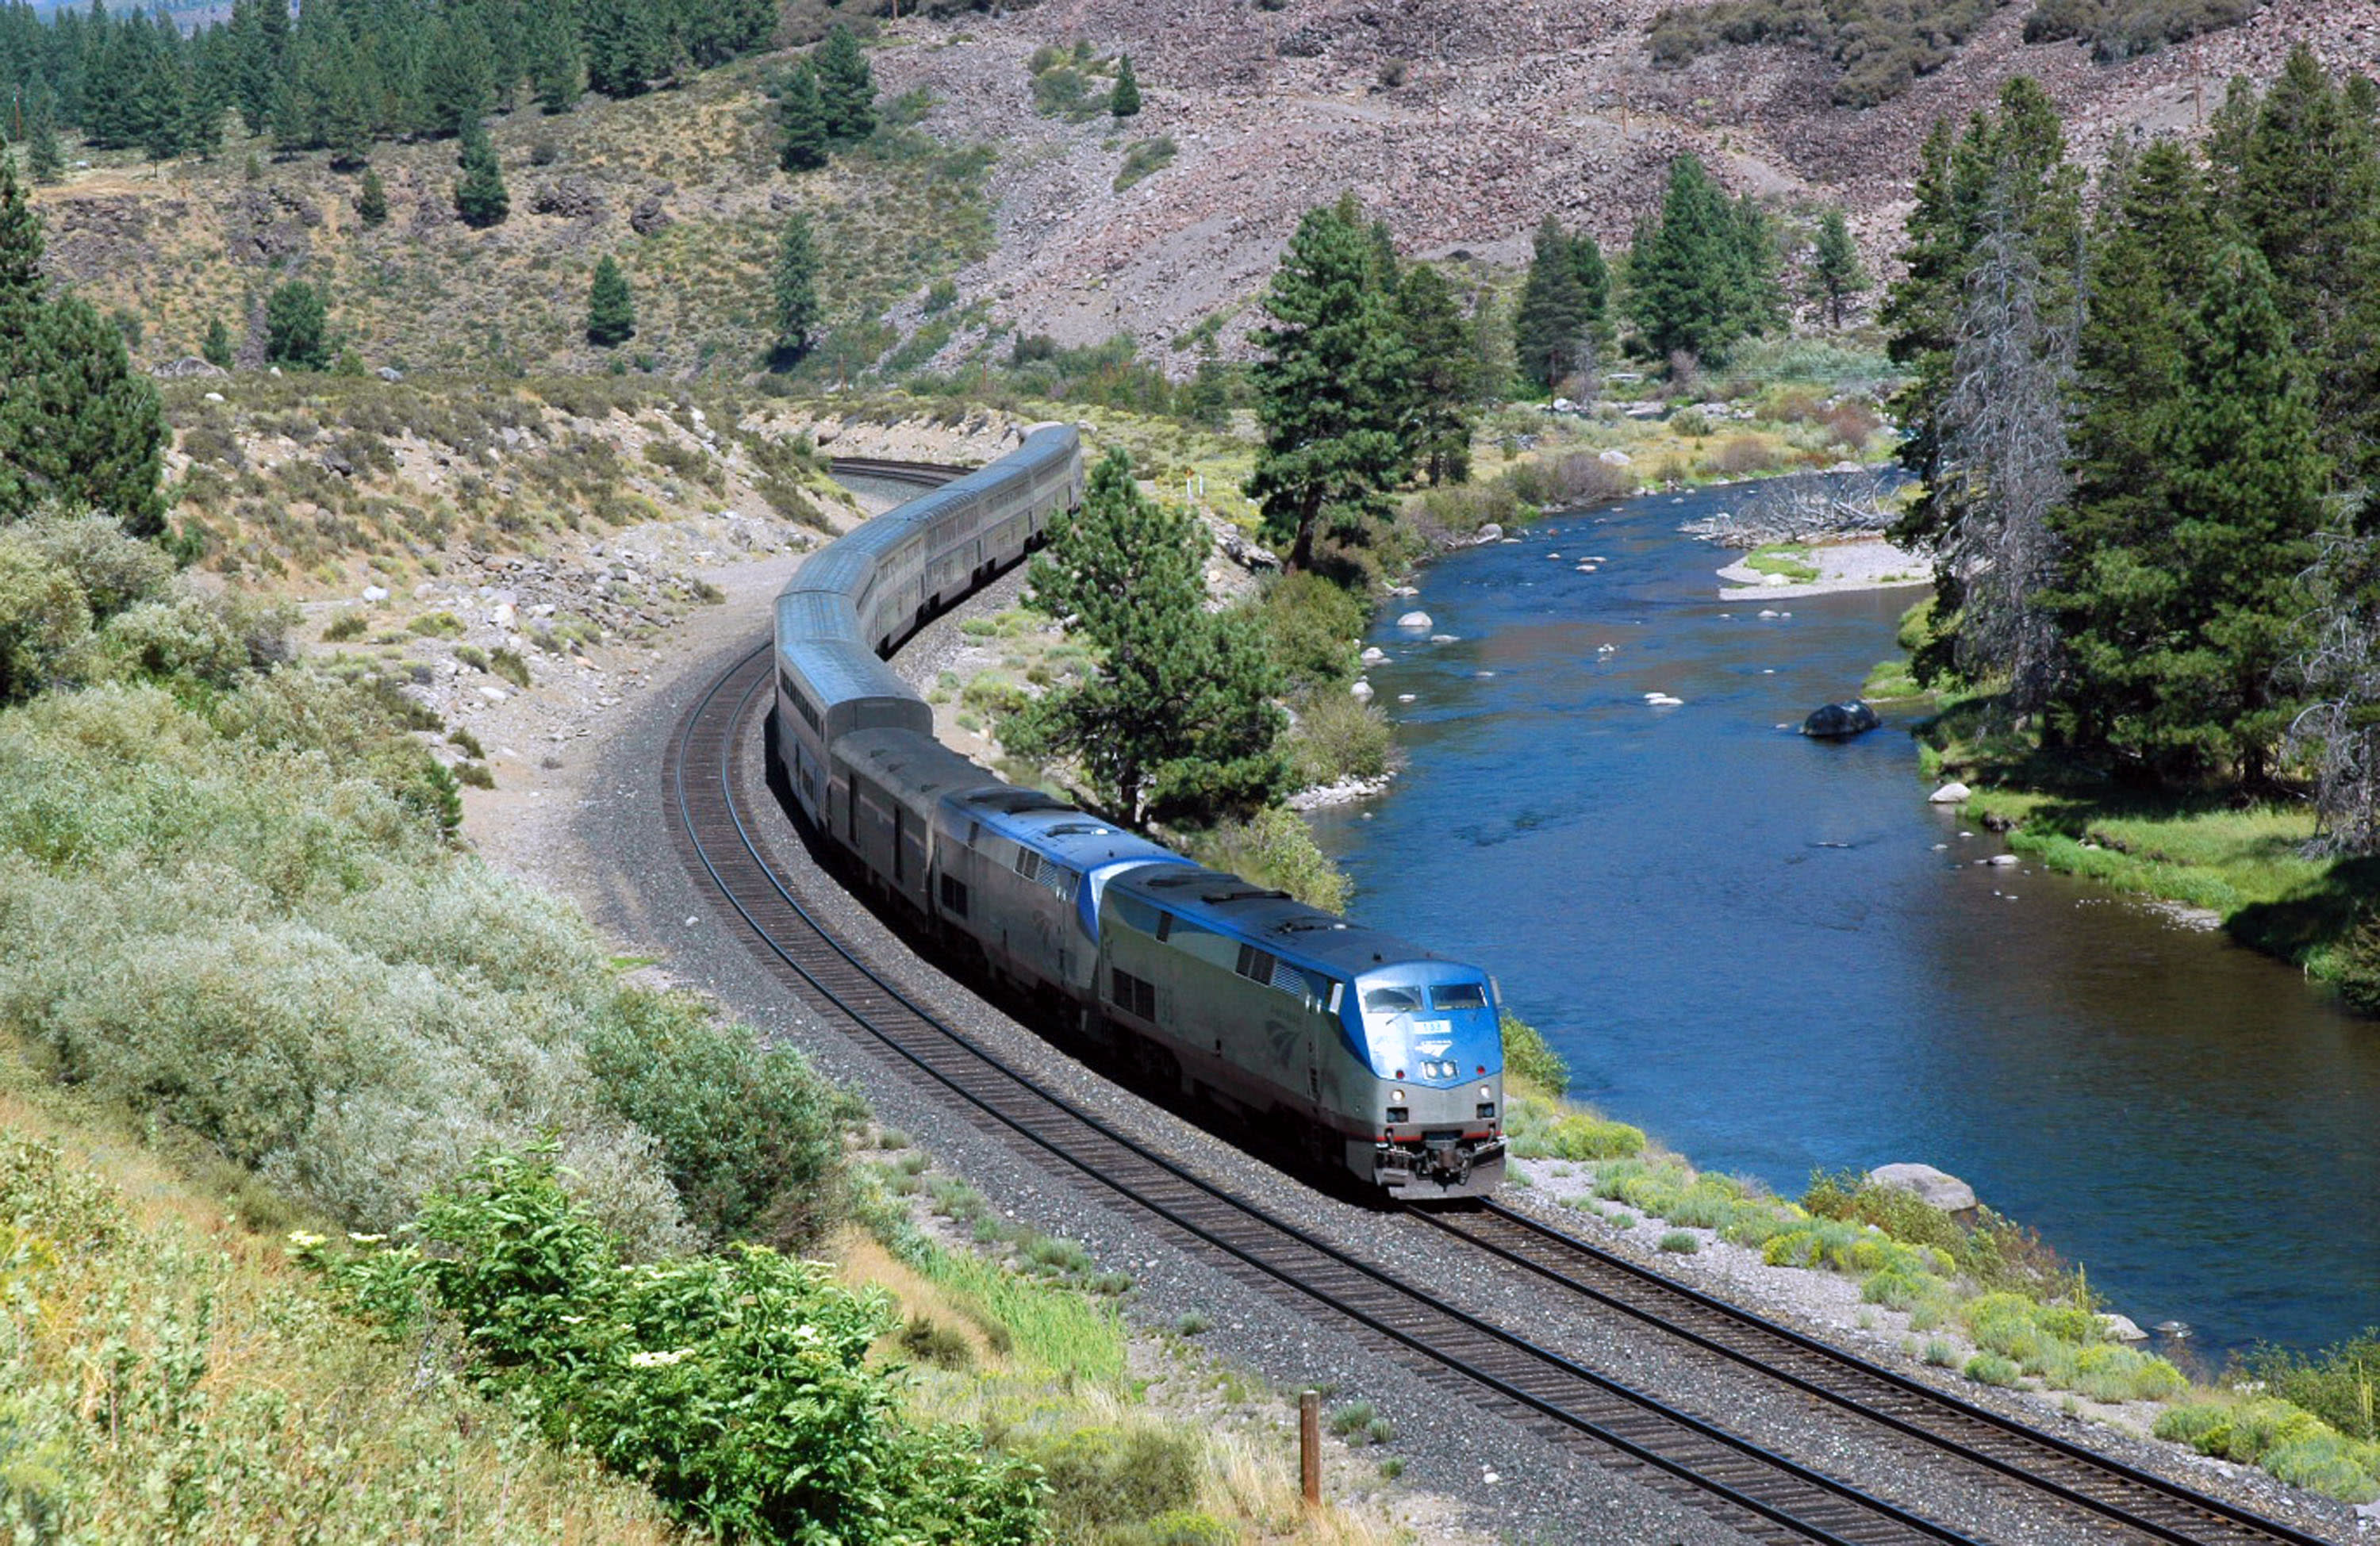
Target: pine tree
(296, 327)
(1124, 100)
(2308, 197)
(1704, 275)
(1835, 274)
(79, 426)
(1594, 289)
(801, 120)
(2150, 256)
(793, 282)
(480, 196)
(2247, 475)
(371, 199)
(1440, 383)
(611, 310)
(456, 81)
(1551, 326)
(216, 349)
(626, 45)
(43, 158)
(1177, 716)
(1329, 388)
(847, 87)
(557, 66)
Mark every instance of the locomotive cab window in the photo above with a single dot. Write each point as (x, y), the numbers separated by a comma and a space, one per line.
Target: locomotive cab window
(1391, 1000)
(1459, 995)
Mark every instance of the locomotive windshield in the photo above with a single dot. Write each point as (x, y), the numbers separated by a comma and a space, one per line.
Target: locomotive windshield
(1391, 1000)
(1459, 995)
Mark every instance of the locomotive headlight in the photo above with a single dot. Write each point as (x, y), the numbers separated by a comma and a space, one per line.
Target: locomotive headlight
(1396, 1097)
(1486, 1093)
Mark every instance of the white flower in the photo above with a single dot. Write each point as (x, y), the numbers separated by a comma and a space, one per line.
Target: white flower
(657, 1360)
(366, 1239)
(304, 1239)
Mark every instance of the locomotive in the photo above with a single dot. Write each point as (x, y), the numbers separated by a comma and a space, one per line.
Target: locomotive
(1377, 1057)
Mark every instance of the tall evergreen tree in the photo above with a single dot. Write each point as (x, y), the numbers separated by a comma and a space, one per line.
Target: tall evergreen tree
(371, 199)
(216, 347)
(1440, 384)
(2150, 256)
(1836, 273)
(1594, 289)
(298, 327)
(1704, 274)
(1124, 100)
(2247, 475)
(847, 87)
(457, 83)
(1178, 715)
(2306, 194)
(626, 45)
(1550, 328)
(794, 288)
(801, 122)
(1329, 388)
(79, 426)
(557, 65)
(611, 310)
(480, 196)
(43, 157)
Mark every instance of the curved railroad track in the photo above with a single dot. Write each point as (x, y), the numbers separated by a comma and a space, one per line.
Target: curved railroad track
(1766, 1494)
(2125, 1497)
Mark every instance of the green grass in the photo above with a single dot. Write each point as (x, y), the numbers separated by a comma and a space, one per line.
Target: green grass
(1793, 561)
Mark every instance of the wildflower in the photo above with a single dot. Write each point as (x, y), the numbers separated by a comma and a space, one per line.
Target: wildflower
(366, 1239)
(304, 1239)
(657, 1361)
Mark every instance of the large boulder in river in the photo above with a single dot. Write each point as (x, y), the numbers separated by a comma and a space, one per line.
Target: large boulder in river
(1414, 620)
(1932, 1187)
(1838, 721)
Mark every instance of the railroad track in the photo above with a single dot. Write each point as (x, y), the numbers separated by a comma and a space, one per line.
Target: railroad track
(1766, 1495)
(2132, 1500)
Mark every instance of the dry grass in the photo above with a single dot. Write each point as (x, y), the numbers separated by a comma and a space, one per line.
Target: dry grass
(180, 1380)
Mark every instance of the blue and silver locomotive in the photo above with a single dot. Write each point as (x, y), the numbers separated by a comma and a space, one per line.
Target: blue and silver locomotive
(1381, 1058)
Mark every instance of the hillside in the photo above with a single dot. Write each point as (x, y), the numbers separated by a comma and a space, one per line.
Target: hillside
(1501, 114)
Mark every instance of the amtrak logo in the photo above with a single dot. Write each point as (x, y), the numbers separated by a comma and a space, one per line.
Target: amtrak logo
(1431, 1049)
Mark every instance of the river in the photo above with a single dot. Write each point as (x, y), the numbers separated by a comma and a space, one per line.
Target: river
(1773, 954)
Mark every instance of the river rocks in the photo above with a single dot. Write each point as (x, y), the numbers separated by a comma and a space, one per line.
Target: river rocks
(1375, 656)
(2002, 861)
(1951, 793)
(1490, 532)
(1935, 1187)
(1840, 722)
(1361, 691)
(2122, 1328)
(1414, 620)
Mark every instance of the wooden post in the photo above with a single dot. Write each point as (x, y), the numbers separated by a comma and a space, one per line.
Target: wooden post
(1310, 1446)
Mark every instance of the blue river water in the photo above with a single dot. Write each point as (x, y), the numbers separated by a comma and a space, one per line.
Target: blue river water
(1774, 954)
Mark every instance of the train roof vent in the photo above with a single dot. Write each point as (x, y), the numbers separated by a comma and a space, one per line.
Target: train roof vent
(1315, 924)
(1244, 893)
(1187, 877)
(1012, 800)
(1077, 830)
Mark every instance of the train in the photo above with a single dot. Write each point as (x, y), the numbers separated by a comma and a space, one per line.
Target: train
(1375, 1056)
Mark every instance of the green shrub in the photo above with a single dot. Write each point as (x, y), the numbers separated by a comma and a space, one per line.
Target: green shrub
(477, 774)
(2340, 1384)
(1680, 1242)
(1338, 738)
(1273, 848)
(1990, 1369)
(1103, 1478)
(510, 666)
(439, 624)
(2106, 1372)
(1145, 157)
(751, 1138)
(2331, 1464)
(346, 623)
(1530, 1059)
(649, 1366)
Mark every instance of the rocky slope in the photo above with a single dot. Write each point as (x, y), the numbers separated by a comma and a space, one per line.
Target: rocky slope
(1461, 121)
